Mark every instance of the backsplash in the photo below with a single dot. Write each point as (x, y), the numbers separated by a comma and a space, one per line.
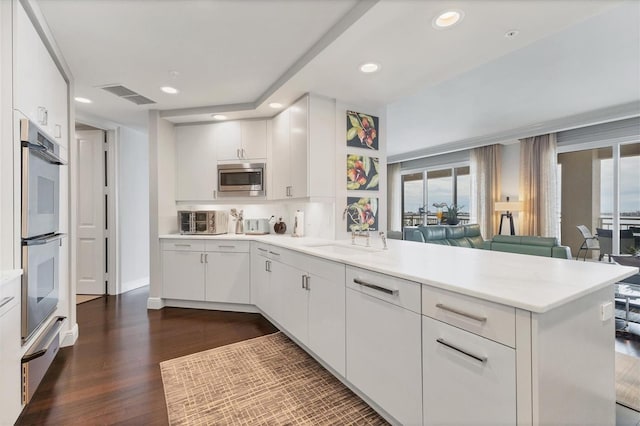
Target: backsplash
(318, 222)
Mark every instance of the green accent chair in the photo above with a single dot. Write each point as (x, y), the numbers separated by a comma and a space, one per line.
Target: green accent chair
(537, 246)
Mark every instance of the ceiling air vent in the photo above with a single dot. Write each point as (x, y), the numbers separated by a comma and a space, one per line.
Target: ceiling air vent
(128, 94)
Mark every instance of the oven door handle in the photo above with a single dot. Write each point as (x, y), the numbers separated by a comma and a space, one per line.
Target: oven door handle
(42, 241)
(44, 153)
(42, 345)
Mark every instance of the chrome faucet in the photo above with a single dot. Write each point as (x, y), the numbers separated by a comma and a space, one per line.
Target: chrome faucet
(383, 237)
(359, 233)
(358, 224)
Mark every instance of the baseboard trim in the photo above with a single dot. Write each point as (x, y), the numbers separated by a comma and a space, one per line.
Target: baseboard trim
(214, 306)
(133, 284)
(155, 303)
(70, 337)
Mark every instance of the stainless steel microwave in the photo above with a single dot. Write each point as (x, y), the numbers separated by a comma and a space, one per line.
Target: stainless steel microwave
(241, 179)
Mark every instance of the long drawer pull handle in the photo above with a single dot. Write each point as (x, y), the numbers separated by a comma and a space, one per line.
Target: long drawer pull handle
(263, 250)
(274, 253)
(482, 359)
(393, 292)
(5, 300)
(458, 312)
(182, 245)
(229, 247)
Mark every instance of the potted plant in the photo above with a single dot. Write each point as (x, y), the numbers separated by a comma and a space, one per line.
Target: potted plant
(450, 213)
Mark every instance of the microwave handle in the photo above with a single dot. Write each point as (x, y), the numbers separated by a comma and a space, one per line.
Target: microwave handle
(43, 241)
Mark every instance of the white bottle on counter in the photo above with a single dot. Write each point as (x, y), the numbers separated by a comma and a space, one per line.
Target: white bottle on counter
(298, 224)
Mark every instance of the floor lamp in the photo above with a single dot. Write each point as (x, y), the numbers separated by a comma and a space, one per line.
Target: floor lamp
(508, 209)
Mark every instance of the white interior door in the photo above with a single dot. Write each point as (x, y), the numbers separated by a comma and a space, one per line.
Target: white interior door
(91, 212)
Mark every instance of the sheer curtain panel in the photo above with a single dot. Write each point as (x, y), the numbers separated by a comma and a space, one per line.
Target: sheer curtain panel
(538, 185)
(485, 187)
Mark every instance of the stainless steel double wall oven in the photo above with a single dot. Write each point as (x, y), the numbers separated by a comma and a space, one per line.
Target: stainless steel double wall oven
(40, 222)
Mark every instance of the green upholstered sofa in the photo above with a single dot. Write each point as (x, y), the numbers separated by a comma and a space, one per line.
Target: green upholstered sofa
(449, 235)
(538, 246)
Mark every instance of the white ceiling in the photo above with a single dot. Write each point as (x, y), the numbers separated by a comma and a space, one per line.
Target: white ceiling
(240, 55)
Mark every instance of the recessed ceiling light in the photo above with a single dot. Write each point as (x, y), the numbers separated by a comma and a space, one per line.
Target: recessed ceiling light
(83, 100)
(511, 33)
(219, 117)
(275, 105)
(170, 90)
(448, 18)
(369, 67)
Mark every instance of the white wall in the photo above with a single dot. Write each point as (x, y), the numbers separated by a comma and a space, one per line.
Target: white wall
(341, 166)
(133, 208)
(162, 195)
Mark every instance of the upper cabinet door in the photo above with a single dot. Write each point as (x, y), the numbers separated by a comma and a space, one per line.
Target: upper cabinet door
(299, 131)
(254, 139)
(227, 137)
(279, 161)
(196, 163)
(40, 91)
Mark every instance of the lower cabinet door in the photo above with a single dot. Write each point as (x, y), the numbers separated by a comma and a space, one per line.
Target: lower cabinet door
(327, 321)
(183, 275)
(384, 355)
(290, 299)
(227, 277)
(467, 379)
(260, 282)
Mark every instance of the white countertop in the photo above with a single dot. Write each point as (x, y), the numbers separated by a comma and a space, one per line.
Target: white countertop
(534, 283)
(9, 275)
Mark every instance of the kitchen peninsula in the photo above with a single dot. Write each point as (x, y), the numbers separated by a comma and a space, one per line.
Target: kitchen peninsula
(424, 333)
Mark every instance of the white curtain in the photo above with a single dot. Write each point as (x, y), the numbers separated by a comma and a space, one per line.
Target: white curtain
(485, 187)
(394, 197)
(538, 185)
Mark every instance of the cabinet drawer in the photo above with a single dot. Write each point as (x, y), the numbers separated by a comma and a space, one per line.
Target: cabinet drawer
(261, 249)
(384, 287)
(183, 245)
(283, 255)
(467, 379)
(229, 246)
(491, 320)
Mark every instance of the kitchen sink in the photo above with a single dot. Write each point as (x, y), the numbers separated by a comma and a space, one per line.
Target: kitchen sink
(345, 250)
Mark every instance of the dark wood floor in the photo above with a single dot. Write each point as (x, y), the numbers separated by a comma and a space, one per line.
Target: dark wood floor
(111, 375)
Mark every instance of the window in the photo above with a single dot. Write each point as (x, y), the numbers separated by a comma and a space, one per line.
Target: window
(420, 190)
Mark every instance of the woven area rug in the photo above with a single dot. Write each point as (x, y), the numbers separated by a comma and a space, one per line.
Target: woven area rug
(628, 381)
(266, 380)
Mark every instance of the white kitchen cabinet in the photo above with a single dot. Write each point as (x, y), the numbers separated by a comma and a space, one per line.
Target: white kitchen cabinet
(214, 272)
(383, 343)
(467, 379)
(196, 163)
(326, 315)
(40, 91)
(278, 162)
(306, 296)
(302, 154)
(299, 149)
(10, 352)
(227, 272)
(241, 140)
(254, 139)
(260, 277)
(228, 136)
(183, 275)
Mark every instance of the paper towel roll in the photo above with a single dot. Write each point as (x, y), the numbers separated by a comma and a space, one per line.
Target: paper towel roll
(298, 224)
